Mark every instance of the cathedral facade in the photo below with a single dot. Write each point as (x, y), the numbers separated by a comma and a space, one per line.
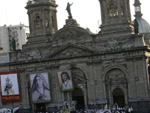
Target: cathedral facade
(105, 68)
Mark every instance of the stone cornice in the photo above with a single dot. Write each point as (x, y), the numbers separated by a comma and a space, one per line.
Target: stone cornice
(144, 48)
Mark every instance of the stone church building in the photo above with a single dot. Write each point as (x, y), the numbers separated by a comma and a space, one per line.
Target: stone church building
(105, 68)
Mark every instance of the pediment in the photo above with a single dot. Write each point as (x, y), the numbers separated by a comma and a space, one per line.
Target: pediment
(70, 51)
(67, 34)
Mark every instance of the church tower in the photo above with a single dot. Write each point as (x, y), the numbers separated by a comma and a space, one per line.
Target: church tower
(116, 17)
(143, 25)
(42, 19)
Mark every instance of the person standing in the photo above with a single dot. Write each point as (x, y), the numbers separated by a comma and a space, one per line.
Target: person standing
(40, 89)
(8, 88)
(67, 83)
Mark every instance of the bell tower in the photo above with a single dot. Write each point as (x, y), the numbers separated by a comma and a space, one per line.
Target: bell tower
(115, 16)
(42, 19)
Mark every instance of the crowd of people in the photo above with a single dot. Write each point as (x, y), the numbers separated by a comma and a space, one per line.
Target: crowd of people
(114, 109)
(70, 108)
(120, 110)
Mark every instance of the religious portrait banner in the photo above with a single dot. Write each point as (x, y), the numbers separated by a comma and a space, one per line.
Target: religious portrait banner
(40, 87)
(9, 87)
(65, 80)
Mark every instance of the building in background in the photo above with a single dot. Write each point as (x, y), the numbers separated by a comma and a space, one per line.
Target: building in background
(13, 37)
(144, 26)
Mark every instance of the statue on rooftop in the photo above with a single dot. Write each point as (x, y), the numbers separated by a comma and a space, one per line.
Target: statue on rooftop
(136, 26)
(36, 0)
(69, 10)
(13, 44)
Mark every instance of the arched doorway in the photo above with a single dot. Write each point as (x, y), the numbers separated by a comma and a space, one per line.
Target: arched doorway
(118, 97)
(40, 107)
(78, 96)
(116, 87)
(80, 88)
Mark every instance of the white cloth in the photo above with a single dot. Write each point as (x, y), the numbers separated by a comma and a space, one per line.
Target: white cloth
(67, 85)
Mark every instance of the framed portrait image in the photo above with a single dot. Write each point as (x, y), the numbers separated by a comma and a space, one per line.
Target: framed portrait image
(65, 80)
(9, 87)
(40, 87)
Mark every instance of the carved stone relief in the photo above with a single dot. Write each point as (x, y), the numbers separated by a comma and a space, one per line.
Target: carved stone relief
(71, 50)
(71, 35)
(115, 78)
(113, 43)
(78, 77)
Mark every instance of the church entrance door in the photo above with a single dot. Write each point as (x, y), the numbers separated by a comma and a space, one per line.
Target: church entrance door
(41, 107)
(77, 95)
(118, 97)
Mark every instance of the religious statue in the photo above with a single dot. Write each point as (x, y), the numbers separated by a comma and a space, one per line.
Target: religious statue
(136, 26)
(69, 10)
(36, 0)
(13, 44)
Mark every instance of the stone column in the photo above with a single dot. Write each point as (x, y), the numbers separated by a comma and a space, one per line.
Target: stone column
(83, 88)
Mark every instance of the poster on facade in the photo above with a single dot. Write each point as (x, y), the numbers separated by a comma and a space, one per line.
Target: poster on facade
(40, 87)
(9, 87)
(65, 80)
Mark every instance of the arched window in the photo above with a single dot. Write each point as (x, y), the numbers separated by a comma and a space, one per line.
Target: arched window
(46, 23)
(118, 97)
(122, 11)
(112, 9)
(37, 22)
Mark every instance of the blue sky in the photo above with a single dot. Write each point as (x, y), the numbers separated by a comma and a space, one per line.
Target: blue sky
(86, 12)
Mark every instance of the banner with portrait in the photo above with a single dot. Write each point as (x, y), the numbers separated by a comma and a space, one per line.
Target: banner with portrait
(40, 87)
(65, 80)
(9, 87)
